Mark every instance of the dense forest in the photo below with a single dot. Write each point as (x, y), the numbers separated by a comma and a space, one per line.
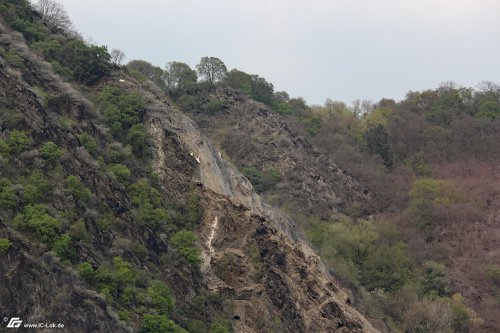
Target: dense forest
(419, 252)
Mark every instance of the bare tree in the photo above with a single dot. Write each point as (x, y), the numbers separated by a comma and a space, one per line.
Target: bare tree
(429, 316)
(117, 56)
(54, 15)
(361, 107)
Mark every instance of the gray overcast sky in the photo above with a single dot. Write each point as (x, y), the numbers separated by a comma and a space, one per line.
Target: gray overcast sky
(316, 49)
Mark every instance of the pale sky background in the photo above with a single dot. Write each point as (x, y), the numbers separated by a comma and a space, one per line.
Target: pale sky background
(316, 49)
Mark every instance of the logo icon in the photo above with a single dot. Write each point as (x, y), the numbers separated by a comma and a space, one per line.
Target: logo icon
(14, 322)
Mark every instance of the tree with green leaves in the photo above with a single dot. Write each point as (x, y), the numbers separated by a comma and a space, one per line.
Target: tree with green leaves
(255, 86)
(240, 80)
(179, 75)
(154, 73)
(376, 141)
(156, 323)
(18, 141)
(50, 151)
(184, 242)
(489, 110)
(211, 69)
(89, 63)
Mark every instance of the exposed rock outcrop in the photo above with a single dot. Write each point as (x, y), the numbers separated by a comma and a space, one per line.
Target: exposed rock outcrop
(255, 137)
(271, 280)
(252, 255)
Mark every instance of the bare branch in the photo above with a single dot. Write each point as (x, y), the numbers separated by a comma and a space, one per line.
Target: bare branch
(117, 56)
(54, 15)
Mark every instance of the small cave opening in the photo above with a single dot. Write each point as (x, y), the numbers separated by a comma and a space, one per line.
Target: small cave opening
(236, 317)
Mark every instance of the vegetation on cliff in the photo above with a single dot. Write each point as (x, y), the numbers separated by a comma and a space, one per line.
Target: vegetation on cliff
(77, 176)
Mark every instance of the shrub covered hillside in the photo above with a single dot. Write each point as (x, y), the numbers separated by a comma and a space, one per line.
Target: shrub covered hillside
(80, 202)
(117, 214)
(414, 231)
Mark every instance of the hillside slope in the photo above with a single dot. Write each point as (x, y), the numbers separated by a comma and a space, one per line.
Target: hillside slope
(260, 141)
(451, 253)
(98, 236)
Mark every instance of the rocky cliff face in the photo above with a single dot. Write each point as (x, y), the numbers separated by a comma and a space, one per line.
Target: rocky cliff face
(269, 279)
(251, 253)
(252, 136)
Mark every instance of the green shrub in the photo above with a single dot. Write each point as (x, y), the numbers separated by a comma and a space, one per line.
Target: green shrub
(104, 222)
(37, 219)
(121, 172)
(12, 118)
(147, 214)
(282, 108)
(80, 192)
(119, 154)
(106, 292)
(50, 151)
(418, 164)
(197, 326)
(116, 277)
(139, 249)
(376, 141)
(147, 202)
(37, 188)
(426, 194)
(220, 326)
(141, 193)
(387, 267)
(153, 323)
(489, 110)
(434, 280)
(195, 209)
(214, 106)
(88, 143)
(184, 242)
(121, 110)
(311, 124)
(123, 271)
(5, 245)
(64, 71)
(161, 297)
(461, 315)
(65, 123)
(357, 253)
(18, 142)
(8, 198)
(78, 231)
(24, 23)
(492, 272)
(124, 315)
(262, 180)
(14, 59)
(139, 139)
(87, 272)
(49, 48)
(4, 149)
(89, 63)
(62, 246)
(188, 103)
(16, 10)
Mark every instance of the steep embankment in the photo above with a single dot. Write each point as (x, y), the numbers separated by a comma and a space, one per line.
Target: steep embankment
(251, 253)
(257, 139)
(266, 279)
